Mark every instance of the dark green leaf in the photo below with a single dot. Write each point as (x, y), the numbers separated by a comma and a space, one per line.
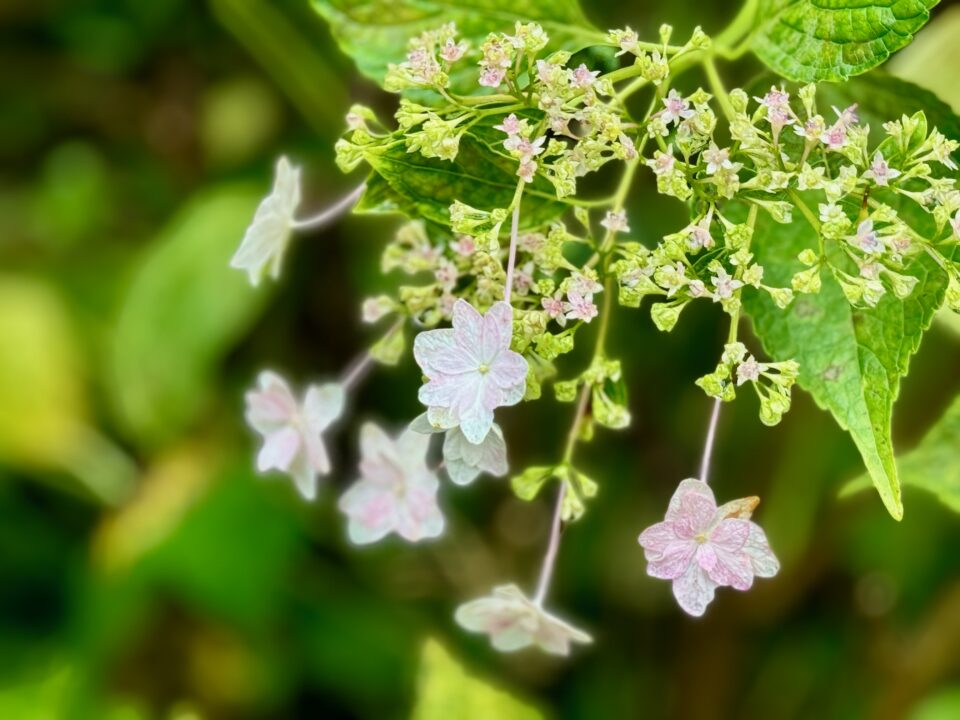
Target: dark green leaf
(425, 188)
(814, 40)
(376, 32)
(852, 360)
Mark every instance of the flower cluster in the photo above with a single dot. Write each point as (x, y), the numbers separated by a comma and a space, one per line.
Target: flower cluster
(504, 276)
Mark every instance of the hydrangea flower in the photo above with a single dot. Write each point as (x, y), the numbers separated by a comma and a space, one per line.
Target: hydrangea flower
(396, 491)
(700, 546)
(292, 432)
(463, 460)
(513, 622)
(471, 369)
(267, 237)
(880, 171)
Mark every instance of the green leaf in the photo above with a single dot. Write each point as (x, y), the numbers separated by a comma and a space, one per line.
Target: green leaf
(814, 40)
(852, 360)
(182, 313)
(445, 690)
(375, 33)
(933, 465)
(425, 188)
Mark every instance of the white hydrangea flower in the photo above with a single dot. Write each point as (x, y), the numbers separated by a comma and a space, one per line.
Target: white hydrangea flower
(266, 240)
(463, 460)
(292, 432)
(396, 492)
(514, 622)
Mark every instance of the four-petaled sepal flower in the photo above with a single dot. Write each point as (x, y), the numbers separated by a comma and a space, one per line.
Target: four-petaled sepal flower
(513, 622)
(266, 240)
(470, 369)
(701, 547)
(292, 431)
(396, 492)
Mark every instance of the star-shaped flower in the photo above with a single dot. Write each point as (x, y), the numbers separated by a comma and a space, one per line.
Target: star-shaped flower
(396, 491)
(292, 432)
(880, 171)
(514, 622)
(701, 547)
(470, 369)
(266, 240)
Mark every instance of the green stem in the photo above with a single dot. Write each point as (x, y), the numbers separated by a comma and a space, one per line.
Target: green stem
(740, 28)
(716, 84)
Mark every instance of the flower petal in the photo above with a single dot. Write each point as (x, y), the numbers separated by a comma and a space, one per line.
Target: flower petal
(279, 449)
(441, 352)
(764, 562)
(323, 405)
(467, 325)
(690, 485)
(371, 511)
(695, 516)
(694, 590)
(496, 331)
(272, 404)
(509, 370)
(730, 535)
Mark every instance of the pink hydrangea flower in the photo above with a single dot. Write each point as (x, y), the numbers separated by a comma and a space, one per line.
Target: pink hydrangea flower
(583, 77)
(553, 306)
(880, 171)
(452, 50)
(701, 547)
(396, 491)
(511, 125)
(492, 77)
(616, 222)
(513, 622)
(471, 369)
(580, 307)
(717, 158)
(866, 238)
(292, 432)
(266, 240)
(676, 108)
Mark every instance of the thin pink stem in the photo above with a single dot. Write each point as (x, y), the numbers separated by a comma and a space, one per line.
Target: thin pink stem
(711, 436)
(332, 212)
(356, 370)
(550, 559)
(512, 257)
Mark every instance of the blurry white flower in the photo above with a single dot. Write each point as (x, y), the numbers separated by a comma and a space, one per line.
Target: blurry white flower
(396, 491)
(514, 622)
(267, 237)
(292, 432)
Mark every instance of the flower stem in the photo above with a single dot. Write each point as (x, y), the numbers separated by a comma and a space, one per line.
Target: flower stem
(711, 436)
(550, 558)
(362, 363)
(514, 232)
(331, 213)
(716, 84)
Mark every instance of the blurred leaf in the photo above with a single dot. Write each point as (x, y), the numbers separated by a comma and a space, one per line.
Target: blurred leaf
(931, 59)
(934, 464)
(445, 690)
(240, 116)
(852, 360)
(811, 41)
(42, 402)
(375, 33)
(47, 697)
(944, 705)
(183, 311)
(425, 188)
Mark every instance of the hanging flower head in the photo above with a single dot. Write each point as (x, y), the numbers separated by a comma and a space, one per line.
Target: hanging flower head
(701, 547)
(292, 432)
(471, 369)
(513, 622)
(267, 238)
(396, 491)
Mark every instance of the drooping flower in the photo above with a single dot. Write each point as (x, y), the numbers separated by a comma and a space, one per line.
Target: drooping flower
(292, 432)
(396, 492)
(464, 461)
(266, 240)
(700, 546)
(513, 622)
(470, 369)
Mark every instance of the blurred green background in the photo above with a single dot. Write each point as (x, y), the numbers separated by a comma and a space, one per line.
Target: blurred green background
(147, 572)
